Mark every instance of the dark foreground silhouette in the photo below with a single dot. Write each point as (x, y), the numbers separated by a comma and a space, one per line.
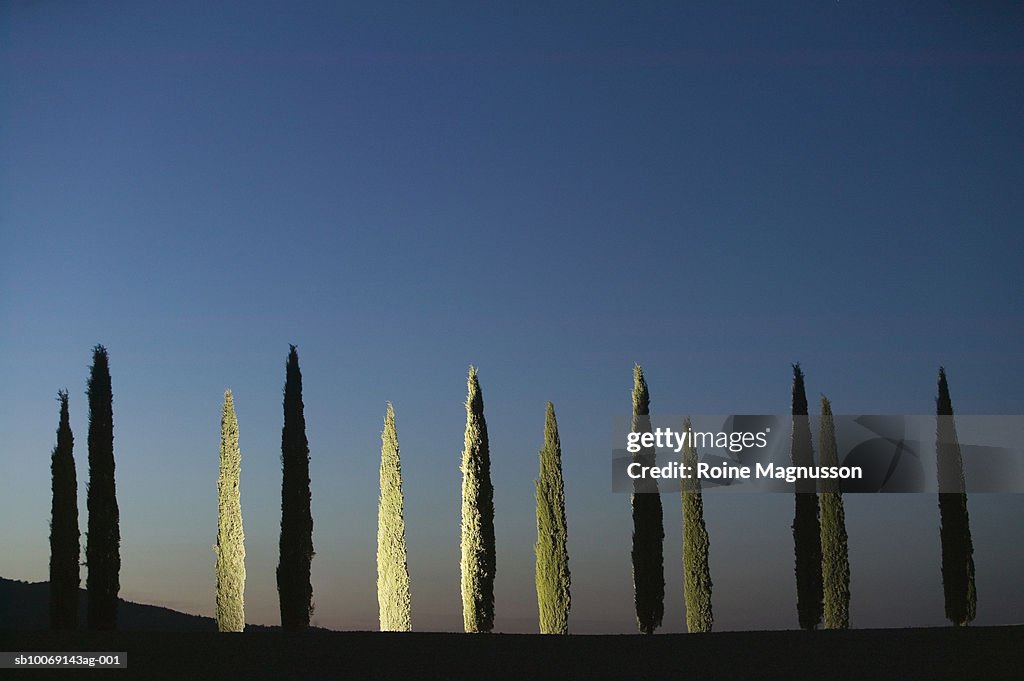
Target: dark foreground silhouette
(196, 651)
(981, 653)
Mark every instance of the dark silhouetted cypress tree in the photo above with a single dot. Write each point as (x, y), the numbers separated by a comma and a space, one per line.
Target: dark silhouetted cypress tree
(648, 530)
(955, 531)
(835, 561)
(393, 597)
(103, 539)
(553, 579)
(294, 588)
(806, 528)
(478, 551)
(64, 547)
(696, 566)
(230, 546)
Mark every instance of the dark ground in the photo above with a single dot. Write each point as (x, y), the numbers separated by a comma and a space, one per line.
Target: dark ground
(928, 654)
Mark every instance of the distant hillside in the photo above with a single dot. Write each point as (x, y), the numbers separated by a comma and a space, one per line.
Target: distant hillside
(26, 606)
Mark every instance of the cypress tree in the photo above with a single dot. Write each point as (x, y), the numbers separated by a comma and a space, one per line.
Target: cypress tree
(478, 552)
(955, 531)
(648, 530)
(806, 528)
(393, 597)
(553, 579)
(230, 546)
(835, 565)
(64, 535)
(294, 588)
(103, 540)
(696, 568)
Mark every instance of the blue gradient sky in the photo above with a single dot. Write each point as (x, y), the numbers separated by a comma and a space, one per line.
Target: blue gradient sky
(714, 191)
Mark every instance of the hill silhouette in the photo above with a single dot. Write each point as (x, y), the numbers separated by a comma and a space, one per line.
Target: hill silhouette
(25, 606)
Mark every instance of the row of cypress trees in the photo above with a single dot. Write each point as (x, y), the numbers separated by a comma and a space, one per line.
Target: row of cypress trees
(103, 539)
(294, 586)
(648, 533)
(823, 567)
(393, 593)
(819, 531)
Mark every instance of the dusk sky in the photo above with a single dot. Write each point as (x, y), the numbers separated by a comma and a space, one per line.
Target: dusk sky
(714, 190)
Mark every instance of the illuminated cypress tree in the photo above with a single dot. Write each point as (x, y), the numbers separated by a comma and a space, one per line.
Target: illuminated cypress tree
(806, 528)
(103, 539)
(835, 565)
(393, 597)
(64, 536)
(478, 552)
(958, 587)
(648, 530)
(230, 546)
(696, 568)
(294, 588)
(553, 579)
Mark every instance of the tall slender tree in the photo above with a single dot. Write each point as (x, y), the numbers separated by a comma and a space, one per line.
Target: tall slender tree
(955, 532)
(294, 588)
(696, 566)
(835, 561)
(64, 546)
(230, 546)
(393, 597)
(553, 579)
(648, 528)
(478, 551)
(806, 527)
(103, 540)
